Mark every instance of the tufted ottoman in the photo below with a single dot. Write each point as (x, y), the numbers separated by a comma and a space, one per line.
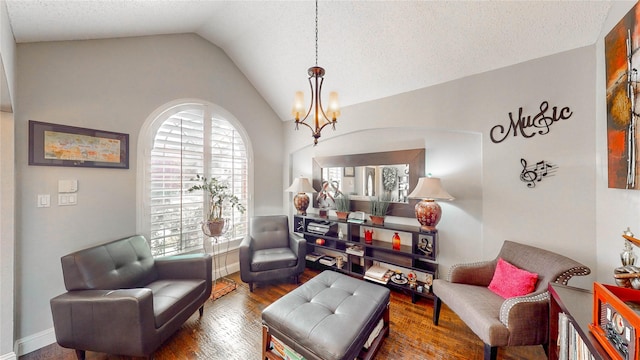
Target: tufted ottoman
(330, 317)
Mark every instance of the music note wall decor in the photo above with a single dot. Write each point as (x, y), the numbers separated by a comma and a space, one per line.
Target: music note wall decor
(528, 126)
(531, 174)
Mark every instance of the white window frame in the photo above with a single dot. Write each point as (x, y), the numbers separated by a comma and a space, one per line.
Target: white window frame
(145, 145)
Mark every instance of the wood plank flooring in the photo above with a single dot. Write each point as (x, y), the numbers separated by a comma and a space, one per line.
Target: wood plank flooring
(231, 329)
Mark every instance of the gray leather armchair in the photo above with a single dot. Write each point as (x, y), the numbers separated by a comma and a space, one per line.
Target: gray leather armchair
(271, 251)
(521, 320)
(120, 300)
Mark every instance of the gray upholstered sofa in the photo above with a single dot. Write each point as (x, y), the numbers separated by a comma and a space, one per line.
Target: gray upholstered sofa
(120, 300)
(271, 251)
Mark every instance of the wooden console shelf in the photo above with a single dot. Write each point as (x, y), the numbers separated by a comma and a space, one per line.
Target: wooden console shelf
(577, 305)
(411, 257)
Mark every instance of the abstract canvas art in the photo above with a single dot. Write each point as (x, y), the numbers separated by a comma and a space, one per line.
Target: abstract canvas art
(622, 64)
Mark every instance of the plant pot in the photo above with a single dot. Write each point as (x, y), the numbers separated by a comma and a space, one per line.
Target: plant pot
(213, 227)
(377, 220)
(342, 215)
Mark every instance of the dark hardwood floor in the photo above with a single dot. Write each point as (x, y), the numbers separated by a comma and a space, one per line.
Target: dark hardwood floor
(231, 329)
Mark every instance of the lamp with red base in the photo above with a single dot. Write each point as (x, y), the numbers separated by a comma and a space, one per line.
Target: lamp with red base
(428, 212)
(301, 186)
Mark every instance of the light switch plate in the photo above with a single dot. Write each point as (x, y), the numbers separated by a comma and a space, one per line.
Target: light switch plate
(44, 200)
(67, 199)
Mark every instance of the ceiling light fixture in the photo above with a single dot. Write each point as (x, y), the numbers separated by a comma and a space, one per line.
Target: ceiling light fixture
(320, 117)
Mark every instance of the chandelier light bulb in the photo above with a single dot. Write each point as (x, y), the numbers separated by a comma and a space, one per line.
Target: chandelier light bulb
(298, 110)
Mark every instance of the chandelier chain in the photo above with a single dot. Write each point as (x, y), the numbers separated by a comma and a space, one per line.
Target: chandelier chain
(316, 32)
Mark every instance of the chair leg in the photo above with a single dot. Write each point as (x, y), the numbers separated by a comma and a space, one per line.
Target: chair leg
(80, 354)
(436, 310)
(201, 310)
(546, 349)
(250, 287)
(490, 352)
(296, 279)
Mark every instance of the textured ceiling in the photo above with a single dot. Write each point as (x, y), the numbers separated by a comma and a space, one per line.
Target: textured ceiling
(370, 49)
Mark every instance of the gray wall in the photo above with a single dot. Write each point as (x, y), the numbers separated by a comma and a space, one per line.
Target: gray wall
(114, 85)
(492, 204)
(7, 185)
(7, 233)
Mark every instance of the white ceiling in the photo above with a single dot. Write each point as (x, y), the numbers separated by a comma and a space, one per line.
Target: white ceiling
(370, 49)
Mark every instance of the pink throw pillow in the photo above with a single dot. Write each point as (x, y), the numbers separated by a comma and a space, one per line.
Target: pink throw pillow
(509, 281)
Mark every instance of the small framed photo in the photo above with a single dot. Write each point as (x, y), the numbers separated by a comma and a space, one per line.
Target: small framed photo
(349, 171)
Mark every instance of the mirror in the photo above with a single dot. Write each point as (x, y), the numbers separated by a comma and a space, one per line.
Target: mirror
(394, 173)
(361, 182)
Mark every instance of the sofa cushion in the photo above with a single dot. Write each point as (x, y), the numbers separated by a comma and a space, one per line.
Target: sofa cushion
(270, 231)
(510, 281)
(170, 297)
(479, 308)
(120, 264)
(276, 258)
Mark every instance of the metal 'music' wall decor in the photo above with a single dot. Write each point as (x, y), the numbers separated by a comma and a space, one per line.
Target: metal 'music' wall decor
(540, 124)
(531, 174)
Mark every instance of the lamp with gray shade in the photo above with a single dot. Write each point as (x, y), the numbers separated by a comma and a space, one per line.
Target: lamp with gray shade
(301, 186)
(428, 212)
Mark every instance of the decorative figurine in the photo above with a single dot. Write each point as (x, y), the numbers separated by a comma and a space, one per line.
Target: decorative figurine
(413, 279)
(368, 236)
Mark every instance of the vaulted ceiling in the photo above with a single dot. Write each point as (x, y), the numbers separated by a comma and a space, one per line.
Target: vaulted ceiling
(370, 49)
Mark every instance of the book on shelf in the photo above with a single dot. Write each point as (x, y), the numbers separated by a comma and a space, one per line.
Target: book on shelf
(376, 272)
(356, 221)
(379, 274)
(314, 256)
(384, 280)
(328, 260)
(357, 250)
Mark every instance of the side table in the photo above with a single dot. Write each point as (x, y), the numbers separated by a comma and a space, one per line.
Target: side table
(222, 284)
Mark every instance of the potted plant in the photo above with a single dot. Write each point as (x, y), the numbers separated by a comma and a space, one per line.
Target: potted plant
(378, 207)
(219, 195)
(342, 206)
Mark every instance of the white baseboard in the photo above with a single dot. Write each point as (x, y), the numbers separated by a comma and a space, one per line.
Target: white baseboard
(9, 356)
(34, 342)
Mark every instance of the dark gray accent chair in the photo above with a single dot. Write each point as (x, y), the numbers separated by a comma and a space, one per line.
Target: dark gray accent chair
(517, 321)
(271, 251)
(120, 300)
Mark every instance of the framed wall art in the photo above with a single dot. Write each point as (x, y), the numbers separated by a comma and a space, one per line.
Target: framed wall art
(62, 145)
(622, 60)
(349, 171)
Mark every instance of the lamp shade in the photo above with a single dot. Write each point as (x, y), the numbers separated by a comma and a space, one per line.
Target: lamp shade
(430, 188)
(428, 212)
(301, 186)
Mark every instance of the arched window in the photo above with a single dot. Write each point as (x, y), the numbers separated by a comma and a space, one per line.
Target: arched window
(186, 140)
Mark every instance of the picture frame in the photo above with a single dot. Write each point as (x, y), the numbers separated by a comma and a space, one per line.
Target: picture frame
(623, 141)
(63, 145)
(349, 171)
